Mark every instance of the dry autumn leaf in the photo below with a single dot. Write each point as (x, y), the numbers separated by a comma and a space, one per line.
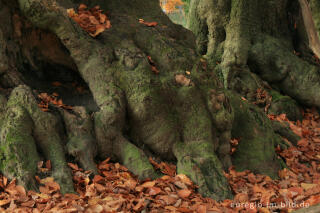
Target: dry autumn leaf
(73, 166)
(148, 24)
(183, 178)
(116, 190)
(154, 190)
(184, 193)
(47, 180)
(48, 164)
(91, 20)
(50, 99)
(153, 66)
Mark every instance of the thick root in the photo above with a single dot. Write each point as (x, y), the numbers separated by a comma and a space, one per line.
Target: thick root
(283, 129)
(46, 132)
(18, 153)
(199, 162)
(139, 108)
(295, 77)
(81, 143)
(257, 139)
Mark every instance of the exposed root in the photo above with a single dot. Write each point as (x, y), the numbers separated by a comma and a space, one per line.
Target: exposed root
(19, 155)
(139, 110)
(256, 139)
(44, 132)
(81, 142)
(280, 67)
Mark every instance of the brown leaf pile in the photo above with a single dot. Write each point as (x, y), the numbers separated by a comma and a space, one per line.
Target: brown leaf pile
(170, 6)
(115, 189)
(298, 186)
(91, 20)
(46, 99)
(164, 167)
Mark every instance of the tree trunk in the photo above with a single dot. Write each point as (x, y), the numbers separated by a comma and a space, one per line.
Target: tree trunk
(257, 40)
(309, 24)
(256, 46)
(315, 8)
(130, 113)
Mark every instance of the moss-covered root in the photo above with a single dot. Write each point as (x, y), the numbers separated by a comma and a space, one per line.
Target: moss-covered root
(109, 126)
(199, 162)
(133, 158)
(275, 63)
(257, 139)
(283, 104)
(315, 7)
(46, 133)
(81, 143)
(222, 117)
(283, 129)
(18, 152)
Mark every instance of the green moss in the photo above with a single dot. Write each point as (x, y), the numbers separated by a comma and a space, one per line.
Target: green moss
(284, 105)
(18, 152)
(194, 115)
(257, 139)
(315, 7)
(198, 161)
(45, 130)
(136, 161)
(278, 65)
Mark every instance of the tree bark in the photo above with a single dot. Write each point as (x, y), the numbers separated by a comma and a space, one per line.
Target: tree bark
(259, 46)
(315, 8)
(308, 18)
(257, 37)
(130, 113)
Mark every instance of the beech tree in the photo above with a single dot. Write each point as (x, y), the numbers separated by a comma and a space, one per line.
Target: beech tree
(315, 7)
(159, 91)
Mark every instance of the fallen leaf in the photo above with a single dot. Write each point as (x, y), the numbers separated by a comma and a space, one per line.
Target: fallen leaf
(154, 190)
(47, 180)
(307, 186)
(184, 193)
(149, 24)
(73, 166)
(184, 179)
(4, 202)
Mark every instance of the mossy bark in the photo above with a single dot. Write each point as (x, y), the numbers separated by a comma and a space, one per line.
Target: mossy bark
(131, 113)
(259, 46)
(259, 37)
(315, 8)
(257, 139)
(138, 113)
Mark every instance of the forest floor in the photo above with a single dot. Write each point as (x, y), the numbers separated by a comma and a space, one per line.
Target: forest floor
(116, 189)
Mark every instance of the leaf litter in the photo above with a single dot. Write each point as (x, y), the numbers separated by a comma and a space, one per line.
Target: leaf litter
(91, 20)
(116, 189)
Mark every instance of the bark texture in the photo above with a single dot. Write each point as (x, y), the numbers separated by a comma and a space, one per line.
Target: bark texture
(130, 113)
(259, 46)
(315, 8)
(257, 37)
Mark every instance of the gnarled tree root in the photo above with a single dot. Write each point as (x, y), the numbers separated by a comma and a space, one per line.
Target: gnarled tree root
(31, 128)
(188, 120)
